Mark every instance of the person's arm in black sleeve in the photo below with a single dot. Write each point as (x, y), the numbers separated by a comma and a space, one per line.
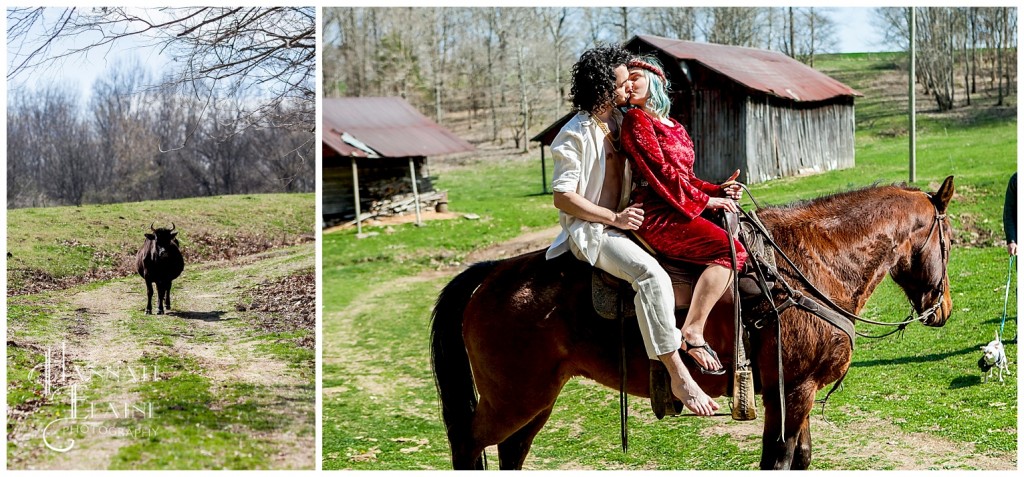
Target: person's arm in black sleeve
(1010, 215)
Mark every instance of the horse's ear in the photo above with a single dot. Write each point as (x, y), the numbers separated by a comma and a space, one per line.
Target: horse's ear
(944, 195)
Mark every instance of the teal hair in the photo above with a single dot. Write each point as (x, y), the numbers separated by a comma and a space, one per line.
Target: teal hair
(657, 100)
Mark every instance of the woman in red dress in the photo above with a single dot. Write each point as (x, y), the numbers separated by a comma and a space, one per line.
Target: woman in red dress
(673, 199)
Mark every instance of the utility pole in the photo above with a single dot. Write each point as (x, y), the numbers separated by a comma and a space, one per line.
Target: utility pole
(913, 98)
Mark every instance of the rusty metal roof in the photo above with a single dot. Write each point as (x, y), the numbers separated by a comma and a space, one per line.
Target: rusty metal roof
(389, 125)
(333, 140)
(767, 71)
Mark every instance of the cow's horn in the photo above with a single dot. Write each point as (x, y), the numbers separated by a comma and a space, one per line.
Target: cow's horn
(151, 226)
(172, 226)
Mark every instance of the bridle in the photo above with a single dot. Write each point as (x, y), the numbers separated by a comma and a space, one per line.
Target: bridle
(797, 298)
(827, 309)
(944, 251)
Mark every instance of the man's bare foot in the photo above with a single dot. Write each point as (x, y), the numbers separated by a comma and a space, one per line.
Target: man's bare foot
(693, 397)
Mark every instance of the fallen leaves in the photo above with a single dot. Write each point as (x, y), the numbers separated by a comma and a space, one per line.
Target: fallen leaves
(283, 305)
(368, 456)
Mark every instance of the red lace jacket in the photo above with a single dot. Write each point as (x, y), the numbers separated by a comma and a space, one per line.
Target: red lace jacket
(664, 157)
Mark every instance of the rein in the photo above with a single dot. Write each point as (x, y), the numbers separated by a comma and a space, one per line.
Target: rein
(834, 313)
(797, 298)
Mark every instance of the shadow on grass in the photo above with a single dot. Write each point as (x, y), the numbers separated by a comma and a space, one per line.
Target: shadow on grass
(915, 359)
(965, 381)
(199, 315)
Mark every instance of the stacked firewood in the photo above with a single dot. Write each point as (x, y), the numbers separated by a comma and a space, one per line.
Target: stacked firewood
(402, 204)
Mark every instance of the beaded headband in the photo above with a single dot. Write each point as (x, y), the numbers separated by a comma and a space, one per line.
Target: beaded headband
(647, 66)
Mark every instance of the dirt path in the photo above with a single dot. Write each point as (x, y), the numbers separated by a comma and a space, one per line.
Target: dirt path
(872, 438)
(208, 338)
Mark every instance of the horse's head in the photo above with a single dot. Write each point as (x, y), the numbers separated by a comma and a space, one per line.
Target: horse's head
(922, 270)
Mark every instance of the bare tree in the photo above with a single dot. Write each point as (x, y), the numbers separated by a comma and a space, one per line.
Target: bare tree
(675, 22)
(270, 49)
(819, 36)
(500, 74)
(739, 26)
(620, 20)
(555, 24)
(944, 34)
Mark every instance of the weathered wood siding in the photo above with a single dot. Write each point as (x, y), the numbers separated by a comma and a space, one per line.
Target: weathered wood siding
(338, 197)
(764, 137)
(716, 127)
(785, 139)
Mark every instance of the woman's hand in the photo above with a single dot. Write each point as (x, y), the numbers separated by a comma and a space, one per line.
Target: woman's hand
(723, 203)
(630, 218)
(732, 189)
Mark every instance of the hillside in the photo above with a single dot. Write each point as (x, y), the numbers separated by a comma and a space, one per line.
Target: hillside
(56, 247)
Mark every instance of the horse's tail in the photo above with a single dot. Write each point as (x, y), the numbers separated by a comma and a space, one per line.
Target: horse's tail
(448, 358)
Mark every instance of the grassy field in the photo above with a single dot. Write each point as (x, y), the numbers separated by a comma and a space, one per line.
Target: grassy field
(207, 385)
(914, 402)
(74, 243)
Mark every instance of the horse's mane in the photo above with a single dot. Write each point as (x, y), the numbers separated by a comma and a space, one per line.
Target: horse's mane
(845, 214)
(843, 196)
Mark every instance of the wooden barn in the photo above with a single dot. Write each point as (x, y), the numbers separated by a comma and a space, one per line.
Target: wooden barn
(758, 111)
(379, 144)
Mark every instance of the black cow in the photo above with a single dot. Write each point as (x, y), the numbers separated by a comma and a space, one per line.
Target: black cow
(159, 260)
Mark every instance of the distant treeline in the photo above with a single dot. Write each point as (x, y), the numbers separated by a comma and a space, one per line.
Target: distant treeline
(130, 143)
(505, 71)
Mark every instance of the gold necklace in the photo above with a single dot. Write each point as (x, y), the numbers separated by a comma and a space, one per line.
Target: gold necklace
(611, 139)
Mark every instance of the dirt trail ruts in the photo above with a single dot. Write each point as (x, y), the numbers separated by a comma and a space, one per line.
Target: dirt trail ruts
(333, 350)
(102, 335)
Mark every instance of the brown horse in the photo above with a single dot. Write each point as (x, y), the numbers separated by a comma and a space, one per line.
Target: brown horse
(517, 330)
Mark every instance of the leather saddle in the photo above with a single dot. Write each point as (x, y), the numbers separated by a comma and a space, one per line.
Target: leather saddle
(612, 296)
(606, 288)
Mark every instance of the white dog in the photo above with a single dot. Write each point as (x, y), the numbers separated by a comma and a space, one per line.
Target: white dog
(994, 357)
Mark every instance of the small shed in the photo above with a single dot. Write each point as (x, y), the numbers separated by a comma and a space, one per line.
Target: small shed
(372, 148)
(758, 111)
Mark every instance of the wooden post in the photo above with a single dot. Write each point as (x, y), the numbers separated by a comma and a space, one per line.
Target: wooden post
(913, 98)
(543, 171)
(355, 181)
(415, 192)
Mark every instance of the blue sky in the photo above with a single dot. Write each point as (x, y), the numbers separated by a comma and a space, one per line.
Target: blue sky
(856, 30)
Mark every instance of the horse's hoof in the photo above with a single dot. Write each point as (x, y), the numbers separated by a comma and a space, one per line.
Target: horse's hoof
(160, 312)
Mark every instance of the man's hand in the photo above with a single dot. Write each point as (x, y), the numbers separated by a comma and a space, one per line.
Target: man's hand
(630, 218)
(1012, 248)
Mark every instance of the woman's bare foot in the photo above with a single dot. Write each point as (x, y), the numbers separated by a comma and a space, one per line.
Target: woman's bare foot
(703, 357)
(693, 397)
(697, 348)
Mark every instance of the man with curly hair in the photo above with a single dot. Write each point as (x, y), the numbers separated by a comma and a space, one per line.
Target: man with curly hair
(591, 187)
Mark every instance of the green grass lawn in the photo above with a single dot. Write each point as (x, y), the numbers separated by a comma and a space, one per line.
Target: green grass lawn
(64, 242)
(380, 407)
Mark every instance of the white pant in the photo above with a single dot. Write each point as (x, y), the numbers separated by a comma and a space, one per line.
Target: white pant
(654, 300)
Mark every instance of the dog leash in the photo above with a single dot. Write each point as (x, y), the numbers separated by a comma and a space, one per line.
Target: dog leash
(1006, 296)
